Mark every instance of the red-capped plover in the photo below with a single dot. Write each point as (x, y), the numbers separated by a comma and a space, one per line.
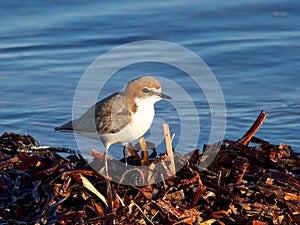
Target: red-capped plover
(122, 117)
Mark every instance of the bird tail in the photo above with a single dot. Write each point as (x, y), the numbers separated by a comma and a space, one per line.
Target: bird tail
(67, 127)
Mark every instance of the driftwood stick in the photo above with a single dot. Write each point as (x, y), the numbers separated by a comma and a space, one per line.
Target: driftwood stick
(169, 147)
(255, 126)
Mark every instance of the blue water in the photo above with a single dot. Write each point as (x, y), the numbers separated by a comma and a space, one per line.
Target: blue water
(252, 47)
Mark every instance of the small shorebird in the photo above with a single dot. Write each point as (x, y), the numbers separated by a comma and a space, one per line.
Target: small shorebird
(122, 117)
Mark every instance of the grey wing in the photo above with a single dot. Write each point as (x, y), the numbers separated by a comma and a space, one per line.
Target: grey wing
(112, 115)
(107, 116)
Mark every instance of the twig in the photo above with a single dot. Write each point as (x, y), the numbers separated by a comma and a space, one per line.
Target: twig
(142, 212)
(169, 147)
(256, 125)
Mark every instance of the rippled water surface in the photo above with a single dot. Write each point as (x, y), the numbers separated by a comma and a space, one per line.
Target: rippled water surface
(252, 48)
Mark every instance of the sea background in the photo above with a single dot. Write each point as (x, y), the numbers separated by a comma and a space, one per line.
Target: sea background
(251, 47)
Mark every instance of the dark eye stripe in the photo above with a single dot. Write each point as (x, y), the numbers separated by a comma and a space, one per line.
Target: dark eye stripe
(145, 90)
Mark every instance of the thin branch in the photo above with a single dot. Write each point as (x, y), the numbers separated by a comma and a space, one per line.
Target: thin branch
(254, 128)
(169, 147)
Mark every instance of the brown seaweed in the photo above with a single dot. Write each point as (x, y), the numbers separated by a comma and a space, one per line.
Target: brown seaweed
(250, 181)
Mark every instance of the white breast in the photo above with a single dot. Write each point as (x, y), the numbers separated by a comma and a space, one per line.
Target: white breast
(142, 119)
(140, 122)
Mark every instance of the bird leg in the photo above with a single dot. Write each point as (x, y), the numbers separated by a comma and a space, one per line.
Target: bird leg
(105, 160)
(108, 185)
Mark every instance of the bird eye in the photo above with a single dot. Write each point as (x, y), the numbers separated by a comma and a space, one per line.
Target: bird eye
(146, 90)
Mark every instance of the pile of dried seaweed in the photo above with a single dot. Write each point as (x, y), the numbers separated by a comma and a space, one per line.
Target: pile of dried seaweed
(257, 184)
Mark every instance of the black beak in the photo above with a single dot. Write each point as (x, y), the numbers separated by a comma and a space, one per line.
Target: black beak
(164, 96)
